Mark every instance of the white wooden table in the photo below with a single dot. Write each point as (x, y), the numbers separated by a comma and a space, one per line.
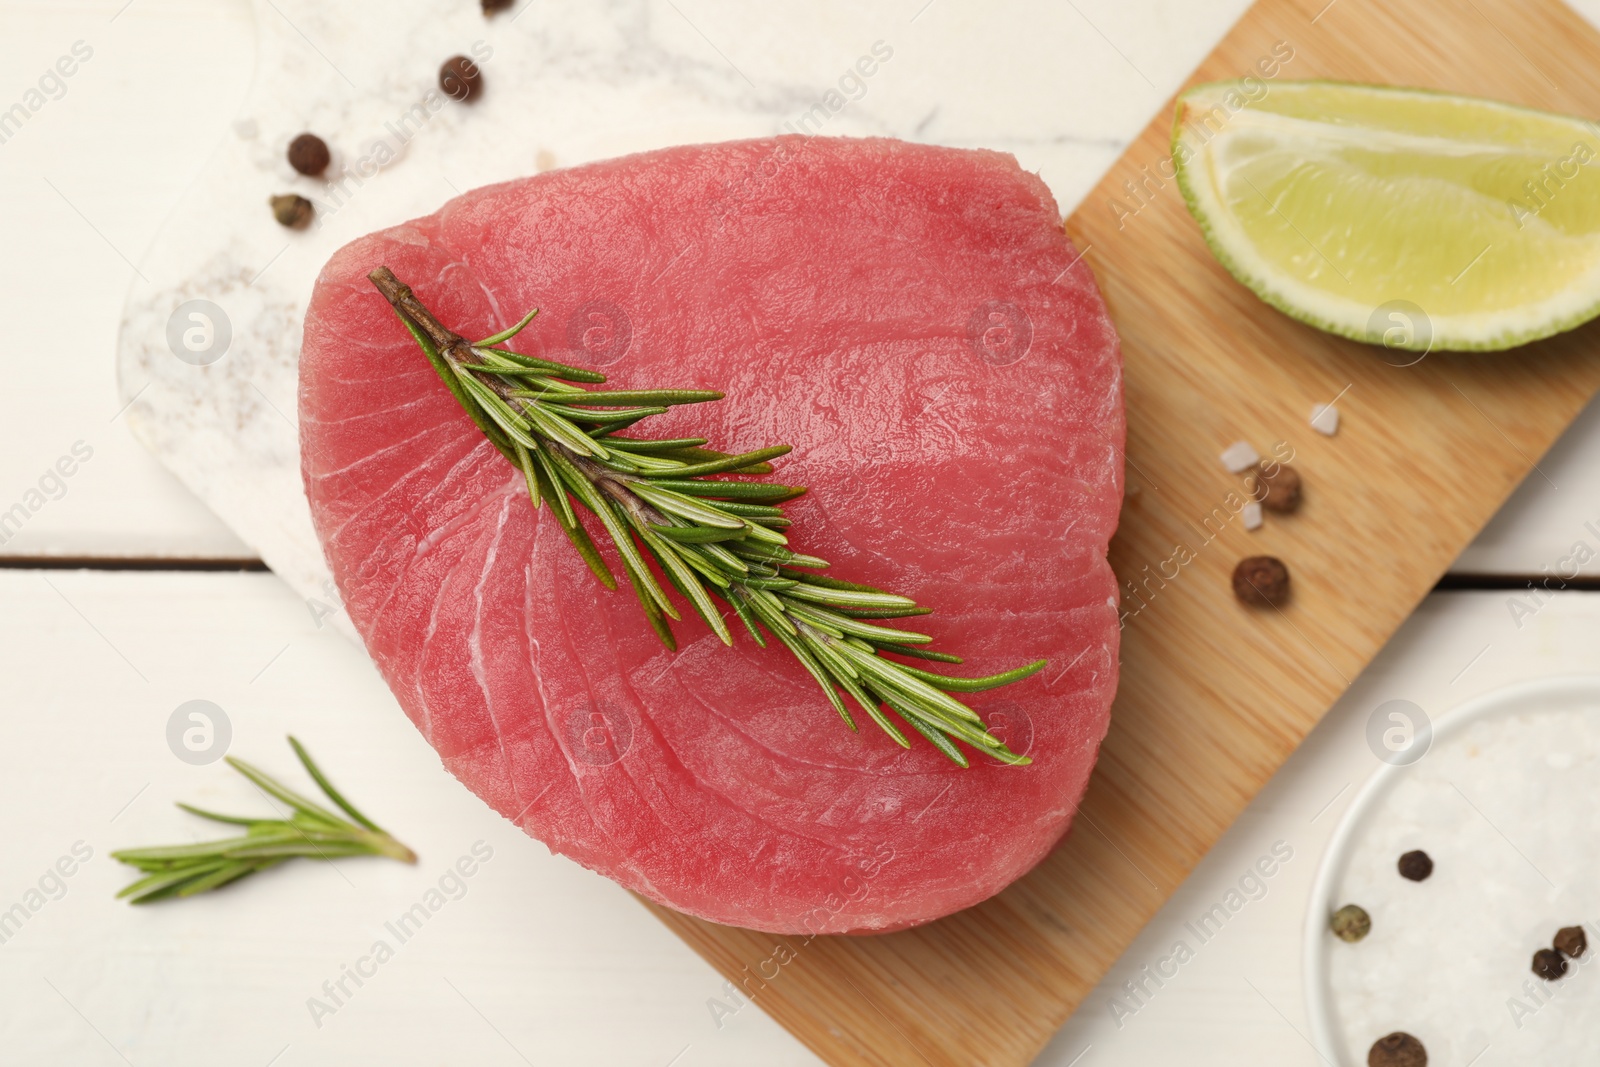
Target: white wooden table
(537, 961)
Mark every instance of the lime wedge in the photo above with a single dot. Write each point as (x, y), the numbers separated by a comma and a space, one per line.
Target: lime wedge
(1411, 219)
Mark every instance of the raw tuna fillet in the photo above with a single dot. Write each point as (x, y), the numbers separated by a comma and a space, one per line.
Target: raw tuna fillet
(915, 323)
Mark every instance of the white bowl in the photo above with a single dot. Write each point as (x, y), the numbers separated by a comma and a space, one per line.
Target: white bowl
(1559, 693)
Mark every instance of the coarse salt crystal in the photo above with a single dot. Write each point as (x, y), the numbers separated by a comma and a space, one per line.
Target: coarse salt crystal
(1240, 457)
(1325, 419)
(1251, 514)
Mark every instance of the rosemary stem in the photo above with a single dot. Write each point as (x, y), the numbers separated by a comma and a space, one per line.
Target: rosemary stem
(311, 832)
(662, 501)
(402, 299)
(380, 843)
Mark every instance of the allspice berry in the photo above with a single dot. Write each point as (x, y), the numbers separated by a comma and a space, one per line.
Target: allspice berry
(460, 79)
(292, 210)
(1570, 941)
(491, 6)
(1350, 923)
(1261, 581)
(1398, 1049)
(1549, 964)
(1276, 486)
(1415, 865)
(309, 154)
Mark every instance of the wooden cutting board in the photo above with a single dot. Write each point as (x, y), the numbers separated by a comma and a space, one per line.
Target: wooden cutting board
(1215, 697)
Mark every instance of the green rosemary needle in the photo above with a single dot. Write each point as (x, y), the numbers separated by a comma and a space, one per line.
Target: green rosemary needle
(712, 538)
(312, 832)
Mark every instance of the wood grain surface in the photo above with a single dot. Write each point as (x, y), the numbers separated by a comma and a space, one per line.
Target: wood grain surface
(1214, 697)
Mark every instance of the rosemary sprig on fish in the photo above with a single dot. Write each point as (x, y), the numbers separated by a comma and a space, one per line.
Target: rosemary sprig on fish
(713, 538)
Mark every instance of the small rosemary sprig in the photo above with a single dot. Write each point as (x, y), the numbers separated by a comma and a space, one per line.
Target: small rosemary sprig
(711, 537)
(312, 832)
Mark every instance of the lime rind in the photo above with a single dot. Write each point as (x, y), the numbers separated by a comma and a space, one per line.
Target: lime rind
(1564, 309)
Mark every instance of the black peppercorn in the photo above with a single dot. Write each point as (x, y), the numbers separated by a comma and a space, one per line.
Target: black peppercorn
(308, 154)
(1276, 486)
(1549, 964)
(1415, 865)
(460, 79)
(292, 210)
(1261, 580)
(1398, 1049)
(1350, 923)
